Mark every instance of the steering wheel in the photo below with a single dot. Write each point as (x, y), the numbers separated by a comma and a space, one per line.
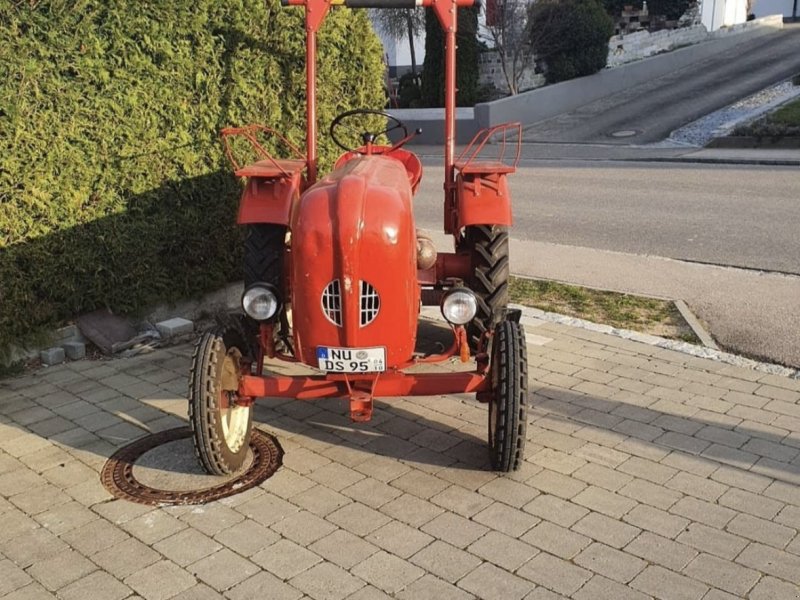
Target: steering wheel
(367, 137)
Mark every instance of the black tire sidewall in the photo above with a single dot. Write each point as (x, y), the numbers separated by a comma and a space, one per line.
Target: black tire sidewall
(204, 409)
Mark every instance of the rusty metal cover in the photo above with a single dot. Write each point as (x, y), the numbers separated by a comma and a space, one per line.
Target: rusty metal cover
(118, 477)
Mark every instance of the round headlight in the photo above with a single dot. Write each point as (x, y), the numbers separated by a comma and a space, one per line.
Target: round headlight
(459, 306)
(260, 302)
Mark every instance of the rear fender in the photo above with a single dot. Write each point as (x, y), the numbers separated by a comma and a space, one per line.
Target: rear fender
(269, 199)
(482, 199)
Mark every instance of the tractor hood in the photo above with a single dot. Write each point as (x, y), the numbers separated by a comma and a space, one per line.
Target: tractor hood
(353, 261)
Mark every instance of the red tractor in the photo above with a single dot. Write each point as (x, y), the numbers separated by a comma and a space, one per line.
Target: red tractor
(336, 274)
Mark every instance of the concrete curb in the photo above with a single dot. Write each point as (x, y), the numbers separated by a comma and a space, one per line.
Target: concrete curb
(717, 161)
(693, 322)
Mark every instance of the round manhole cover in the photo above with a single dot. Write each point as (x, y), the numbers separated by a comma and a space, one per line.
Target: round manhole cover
(623, 133)
(162, 469)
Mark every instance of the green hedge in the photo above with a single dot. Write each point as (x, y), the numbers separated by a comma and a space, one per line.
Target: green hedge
(467, 55)
(571, 36)
(113, 187)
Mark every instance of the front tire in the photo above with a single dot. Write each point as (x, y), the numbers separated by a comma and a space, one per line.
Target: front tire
(488, 247)
(508, 410)
(220, 428)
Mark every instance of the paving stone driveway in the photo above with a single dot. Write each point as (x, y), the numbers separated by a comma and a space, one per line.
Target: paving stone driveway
(648, 473)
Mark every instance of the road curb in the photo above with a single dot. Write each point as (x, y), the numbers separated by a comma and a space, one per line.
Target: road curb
(717, 161)
(693, 322)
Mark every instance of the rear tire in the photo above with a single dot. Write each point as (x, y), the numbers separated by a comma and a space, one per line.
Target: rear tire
(263, 254)
(508, 408)
(220, 428)
(488, 247)
(264, 249)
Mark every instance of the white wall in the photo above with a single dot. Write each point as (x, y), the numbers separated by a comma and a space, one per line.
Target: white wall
(399, 54)
(724, 13)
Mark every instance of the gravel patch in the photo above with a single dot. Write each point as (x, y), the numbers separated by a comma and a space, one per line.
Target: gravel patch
(720, 123)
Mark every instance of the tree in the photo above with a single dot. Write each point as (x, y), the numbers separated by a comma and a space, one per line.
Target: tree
(570, 36)
(508, 30)
(397, 23)
(466, 57)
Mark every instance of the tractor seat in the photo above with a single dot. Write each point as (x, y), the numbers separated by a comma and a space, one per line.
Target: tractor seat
(483, 166)
(272, 169)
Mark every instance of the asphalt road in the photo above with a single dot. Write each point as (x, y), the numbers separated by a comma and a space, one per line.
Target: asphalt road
(664, 230)
(731, 215)
(655, 109)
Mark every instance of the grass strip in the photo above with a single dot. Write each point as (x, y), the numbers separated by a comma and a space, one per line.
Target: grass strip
(624, 311)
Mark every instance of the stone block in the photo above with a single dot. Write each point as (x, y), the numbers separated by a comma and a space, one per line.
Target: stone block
(74, 350)
(174, 327)
(52, 356)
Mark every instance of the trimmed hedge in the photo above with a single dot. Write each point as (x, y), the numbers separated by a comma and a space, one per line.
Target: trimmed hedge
(571, 37)
(467, 56)
(113, 186)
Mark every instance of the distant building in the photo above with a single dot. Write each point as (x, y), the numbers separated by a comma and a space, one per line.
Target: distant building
(723, 13)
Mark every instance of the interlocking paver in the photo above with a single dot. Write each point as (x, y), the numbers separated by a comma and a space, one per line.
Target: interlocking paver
(506, 519)
(125, 558)
(461, 500)
(223, 569)
(445, 561)
(602, 588)
(32, 546)
(556, 540)
(431, 587)
(489, 581)
(344, 549)
(713, 541)
(667, 585)
(153, 526)
(644, 491)
(12, 577)
(502, 550)
(553, 508)
(702, 511)
(160, 581)
(603, 501)
(399, 538)
(656, 520)
(411, 510)
(554, 573)
(509, 492)
(247, 537)
(62, 569)
(722, 574)
(610, 562)
(604, 529)
(661, 551)
(387, 572)
(653, 457)
(97, 585)
(770, 588)
(254, 589)
(760, 530)
(454, 529)
(187, 546)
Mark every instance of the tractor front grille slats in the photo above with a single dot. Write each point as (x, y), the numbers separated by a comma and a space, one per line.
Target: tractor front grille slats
(370, 304)
(332, 302)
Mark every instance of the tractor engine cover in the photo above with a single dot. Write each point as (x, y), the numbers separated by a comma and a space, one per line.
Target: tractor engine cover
(353, 262)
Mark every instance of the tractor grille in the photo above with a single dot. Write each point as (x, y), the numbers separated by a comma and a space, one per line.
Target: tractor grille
(332, 302)
(370, 303)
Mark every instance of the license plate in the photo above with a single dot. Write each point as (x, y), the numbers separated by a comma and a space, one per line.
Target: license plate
(351, 360)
